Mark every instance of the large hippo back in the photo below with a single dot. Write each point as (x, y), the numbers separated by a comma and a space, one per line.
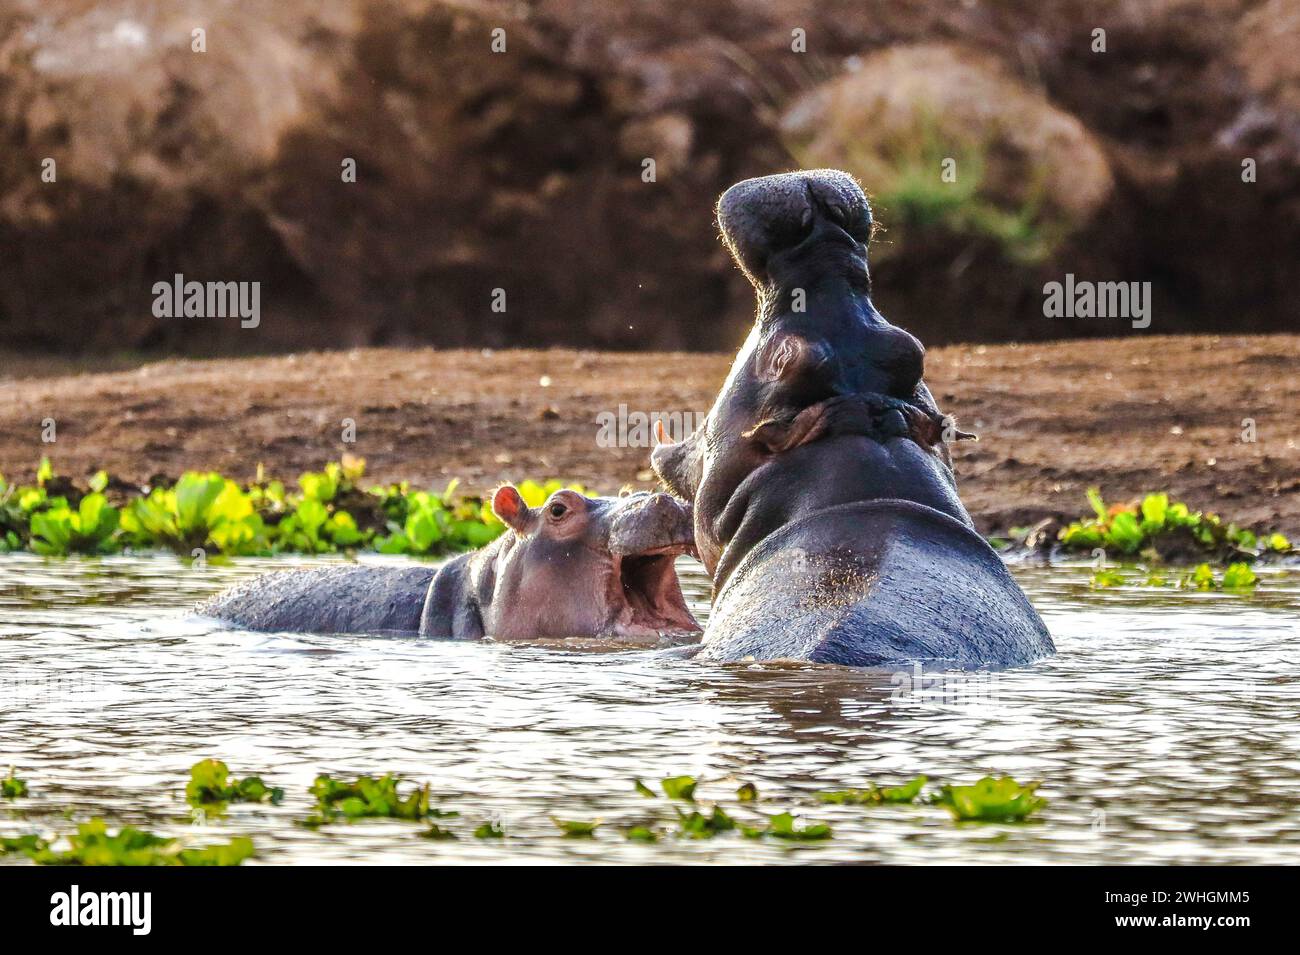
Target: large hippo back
(882, 583)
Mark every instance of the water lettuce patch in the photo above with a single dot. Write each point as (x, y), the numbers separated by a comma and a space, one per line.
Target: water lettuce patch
(874, 796)
(992, 800)
(93, 845)
(1157, 527)
(367, 798)
(11, 787)
(210, 783)
(1236, 578)
(988, 800)
(329, 512)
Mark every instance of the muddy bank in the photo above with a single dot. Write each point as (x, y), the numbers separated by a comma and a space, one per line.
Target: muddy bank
(1128, 416)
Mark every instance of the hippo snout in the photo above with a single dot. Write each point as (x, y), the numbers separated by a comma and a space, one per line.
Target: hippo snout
(651, 523)
(763, 217)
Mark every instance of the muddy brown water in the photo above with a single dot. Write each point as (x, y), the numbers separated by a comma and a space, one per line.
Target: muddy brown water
(1164, 730)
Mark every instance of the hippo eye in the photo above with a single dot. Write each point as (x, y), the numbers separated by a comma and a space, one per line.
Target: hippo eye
(558, 510)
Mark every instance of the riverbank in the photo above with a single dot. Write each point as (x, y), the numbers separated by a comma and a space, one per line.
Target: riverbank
(1176, 414)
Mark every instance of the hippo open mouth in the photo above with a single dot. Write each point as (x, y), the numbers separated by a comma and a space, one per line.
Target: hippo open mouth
(644, 595)
(652, 601)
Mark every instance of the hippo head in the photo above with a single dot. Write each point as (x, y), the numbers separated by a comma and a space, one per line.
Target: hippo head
(581, 565)
(801, 240)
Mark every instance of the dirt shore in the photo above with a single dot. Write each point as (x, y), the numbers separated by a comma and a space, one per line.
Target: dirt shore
(1132, 415)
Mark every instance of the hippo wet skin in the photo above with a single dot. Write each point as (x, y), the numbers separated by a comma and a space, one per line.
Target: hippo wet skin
(576, 566)
(825, 508)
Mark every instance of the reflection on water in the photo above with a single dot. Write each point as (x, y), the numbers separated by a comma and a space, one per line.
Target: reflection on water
(1165, 730)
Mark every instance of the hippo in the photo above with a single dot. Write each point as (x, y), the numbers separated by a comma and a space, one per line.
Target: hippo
(825, 507)
(576, 566)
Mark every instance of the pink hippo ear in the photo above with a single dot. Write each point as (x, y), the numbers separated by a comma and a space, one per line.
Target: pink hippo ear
(510, 507)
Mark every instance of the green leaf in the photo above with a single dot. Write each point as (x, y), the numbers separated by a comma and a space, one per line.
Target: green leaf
(368, 797)
(641, 834)
(679, 787)
(489, 830)
(992, 800)
(645, 790)
(905, 793)
(1239, 576)
(210, 783)
(1098, 505)
(850, 797)
(195, 496)
(436, 832)
(747, 792)
(1105, 578)
(232, 853)
(782, 826)
(576, 828)
(1124, 533)
(319, 487)
(697, 825)
(11, 787)
(1155, 507)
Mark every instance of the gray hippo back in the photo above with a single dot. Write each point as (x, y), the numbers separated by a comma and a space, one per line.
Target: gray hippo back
(345, 599)
(879, 583)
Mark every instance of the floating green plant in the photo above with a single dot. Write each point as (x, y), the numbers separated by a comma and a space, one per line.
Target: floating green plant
(699, 825)
(437, 832)
(93, 845)
(874, 796)
(782, 826)
(11, 787)
(210, 783)
(577, 828)
(1157, 526)
(992, 800)
(1237, 578)
(25, 844)
(679, 787)
(489, 830)
(367, 797)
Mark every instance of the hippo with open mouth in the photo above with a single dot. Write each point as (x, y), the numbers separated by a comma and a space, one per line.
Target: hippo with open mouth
(825, 507)
(575, 567)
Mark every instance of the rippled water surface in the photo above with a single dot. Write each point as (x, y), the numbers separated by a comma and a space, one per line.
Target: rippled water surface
(1167, 729)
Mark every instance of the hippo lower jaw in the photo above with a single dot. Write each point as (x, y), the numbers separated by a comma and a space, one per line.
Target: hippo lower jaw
(645, 598)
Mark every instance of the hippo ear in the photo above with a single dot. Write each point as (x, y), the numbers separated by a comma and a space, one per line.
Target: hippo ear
(798, 364)
(783, 357)
(776, 435)
(510, 507)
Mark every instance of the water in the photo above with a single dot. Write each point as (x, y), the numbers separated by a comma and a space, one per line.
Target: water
(1165, 730)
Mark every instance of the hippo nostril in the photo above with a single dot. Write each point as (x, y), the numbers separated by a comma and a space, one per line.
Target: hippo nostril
(838, 215)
